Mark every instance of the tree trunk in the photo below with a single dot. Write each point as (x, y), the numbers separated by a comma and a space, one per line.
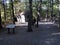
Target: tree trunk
(59, 15)
(36, 12)
(4, 11)
(0, 20)
(51, 5)
(30, 17)
(12, 11)
(47, 12)
(40, 7)
(37, 21)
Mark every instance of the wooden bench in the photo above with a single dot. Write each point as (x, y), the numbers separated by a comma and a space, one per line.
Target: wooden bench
(10, 26)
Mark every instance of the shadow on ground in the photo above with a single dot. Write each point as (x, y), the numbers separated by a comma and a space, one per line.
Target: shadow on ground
(43, 35)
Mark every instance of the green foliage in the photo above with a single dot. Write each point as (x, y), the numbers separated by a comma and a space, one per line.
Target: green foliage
(23, 6)
(35, 14)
